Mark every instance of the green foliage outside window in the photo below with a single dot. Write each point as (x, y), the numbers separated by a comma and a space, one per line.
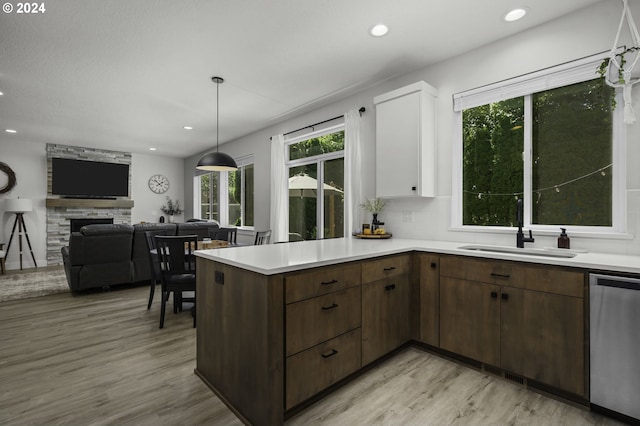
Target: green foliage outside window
(571, 130)
(324, 144)
(492, 162)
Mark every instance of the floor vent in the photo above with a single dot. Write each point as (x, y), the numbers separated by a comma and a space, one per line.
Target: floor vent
(514, 377)
(493, 370)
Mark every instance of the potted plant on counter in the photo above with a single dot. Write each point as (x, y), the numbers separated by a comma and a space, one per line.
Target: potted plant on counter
(374, 206)
(171, 208)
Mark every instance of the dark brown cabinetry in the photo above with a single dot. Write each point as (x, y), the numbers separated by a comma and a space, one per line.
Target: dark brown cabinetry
(428, 313)
(268, 343)
(322, 329)
(524, 319)
(386, 311)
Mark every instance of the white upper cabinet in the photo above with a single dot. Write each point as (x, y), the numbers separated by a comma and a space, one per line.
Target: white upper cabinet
(405, 142)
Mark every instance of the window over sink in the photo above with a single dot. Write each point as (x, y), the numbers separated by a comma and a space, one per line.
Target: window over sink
(553, 138)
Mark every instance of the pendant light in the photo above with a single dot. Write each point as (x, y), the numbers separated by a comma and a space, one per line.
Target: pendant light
(217, 161)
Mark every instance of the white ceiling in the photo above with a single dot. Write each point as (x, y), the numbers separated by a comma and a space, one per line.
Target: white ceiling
(129, 74)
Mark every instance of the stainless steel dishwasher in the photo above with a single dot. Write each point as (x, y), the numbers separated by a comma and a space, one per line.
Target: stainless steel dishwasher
(615, 343)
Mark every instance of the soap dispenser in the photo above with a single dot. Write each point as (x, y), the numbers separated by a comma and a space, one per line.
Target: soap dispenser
(563, 239)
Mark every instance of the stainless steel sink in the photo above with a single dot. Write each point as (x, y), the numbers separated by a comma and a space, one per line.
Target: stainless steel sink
(560, 253)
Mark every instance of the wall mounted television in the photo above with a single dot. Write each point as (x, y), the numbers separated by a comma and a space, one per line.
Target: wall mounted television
(89, 179)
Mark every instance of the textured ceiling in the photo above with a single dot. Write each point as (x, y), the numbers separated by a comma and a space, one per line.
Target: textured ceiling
(129, 74)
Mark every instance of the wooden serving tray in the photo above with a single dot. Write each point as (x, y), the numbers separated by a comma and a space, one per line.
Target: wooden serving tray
(373, 236)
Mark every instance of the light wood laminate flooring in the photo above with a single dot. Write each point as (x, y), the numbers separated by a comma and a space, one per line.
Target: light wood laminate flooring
(100, 358)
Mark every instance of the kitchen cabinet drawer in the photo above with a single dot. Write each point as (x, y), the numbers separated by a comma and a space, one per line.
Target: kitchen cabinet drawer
(316, 320)
(375, 270)
(480, 270)
(317, 368)
(512, 274)
(321, 281)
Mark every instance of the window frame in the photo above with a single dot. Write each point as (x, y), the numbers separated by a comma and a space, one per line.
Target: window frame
(223, 193)
(319, 160)
(524, 86)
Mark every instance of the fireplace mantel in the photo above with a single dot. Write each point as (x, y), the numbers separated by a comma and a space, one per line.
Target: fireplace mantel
(89, 203)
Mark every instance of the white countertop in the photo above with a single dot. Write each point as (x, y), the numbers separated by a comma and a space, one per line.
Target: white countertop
(278, 258)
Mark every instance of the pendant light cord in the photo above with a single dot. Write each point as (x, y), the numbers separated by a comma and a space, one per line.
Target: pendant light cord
(217, 81)
(217, 115)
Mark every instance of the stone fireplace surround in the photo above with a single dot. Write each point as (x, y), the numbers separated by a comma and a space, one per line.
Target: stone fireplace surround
(61, 210)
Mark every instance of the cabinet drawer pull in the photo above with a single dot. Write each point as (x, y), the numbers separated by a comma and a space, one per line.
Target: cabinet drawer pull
(390, 268)
(390, 287)
(330, 354)
(505, 296)
(329, 282)
(493, 274)
(434, 265)
(494, 294)
(326, 308)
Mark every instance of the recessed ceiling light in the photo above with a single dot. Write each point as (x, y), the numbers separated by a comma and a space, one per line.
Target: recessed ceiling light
(515, 14)
(152, 149)
(188, 128)
(1, 93)
(379, 30)
(10, 131)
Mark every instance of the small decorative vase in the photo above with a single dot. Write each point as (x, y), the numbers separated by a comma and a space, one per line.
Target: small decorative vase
(170, 218)
(374, 222)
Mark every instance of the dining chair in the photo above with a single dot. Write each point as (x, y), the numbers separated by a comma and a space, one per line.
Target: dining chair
(225, 234)
(3, 254)
(154, 262)
(178, 268)
(262, 237)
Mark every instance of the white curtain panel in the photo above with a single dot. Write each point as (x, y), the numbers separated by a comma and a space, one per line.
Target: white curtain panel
(279, 213)
(354, 194)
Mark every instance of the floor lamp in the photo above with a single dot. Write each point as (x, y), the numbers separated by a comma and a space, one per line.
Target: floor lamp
(19, 206)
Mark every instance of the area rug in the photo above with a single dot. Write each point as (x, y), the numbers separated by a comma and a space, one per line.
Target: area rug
(25, 284)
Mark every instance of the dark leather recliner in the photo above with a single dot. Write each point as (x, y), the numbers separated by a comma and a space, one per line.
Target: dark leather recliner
(98, 256)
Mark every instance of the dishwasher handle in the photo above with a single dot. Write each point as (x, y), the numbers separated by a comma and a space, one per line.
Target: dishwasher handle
(615, 281)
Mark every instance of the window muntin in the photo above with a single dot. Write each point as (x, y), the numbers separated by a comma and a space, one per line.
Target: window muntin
(568, 177)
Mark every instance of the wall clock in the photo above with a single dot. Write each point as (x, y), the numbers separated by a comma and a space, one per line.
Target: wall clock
(11, 178)
(159, 184)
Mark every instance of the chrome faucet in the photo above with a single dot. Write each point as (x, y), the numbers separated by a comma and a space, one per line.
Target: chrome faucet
(520, 238)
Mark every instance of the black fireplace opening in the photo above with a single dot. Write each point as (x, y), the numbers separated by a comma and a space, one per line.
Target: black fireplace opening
(76, 224)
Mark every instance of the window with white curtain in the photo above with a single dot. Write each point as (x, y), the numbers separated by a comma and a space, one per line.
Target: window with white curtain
(555, 139)
(315, 165)
(227, 197)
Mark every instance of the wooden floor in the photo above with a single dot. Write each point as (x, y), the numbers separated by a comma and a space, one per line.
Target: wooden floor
(100, 359)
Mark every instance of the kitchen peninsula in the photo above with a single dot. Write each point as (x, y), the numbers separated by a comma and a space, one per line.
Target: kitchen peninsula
(280, 324)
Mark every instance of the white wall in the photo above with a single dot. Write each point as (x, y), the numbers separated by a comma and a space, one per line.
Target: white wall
(29, 162)
(574, 36)
(147, 204)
